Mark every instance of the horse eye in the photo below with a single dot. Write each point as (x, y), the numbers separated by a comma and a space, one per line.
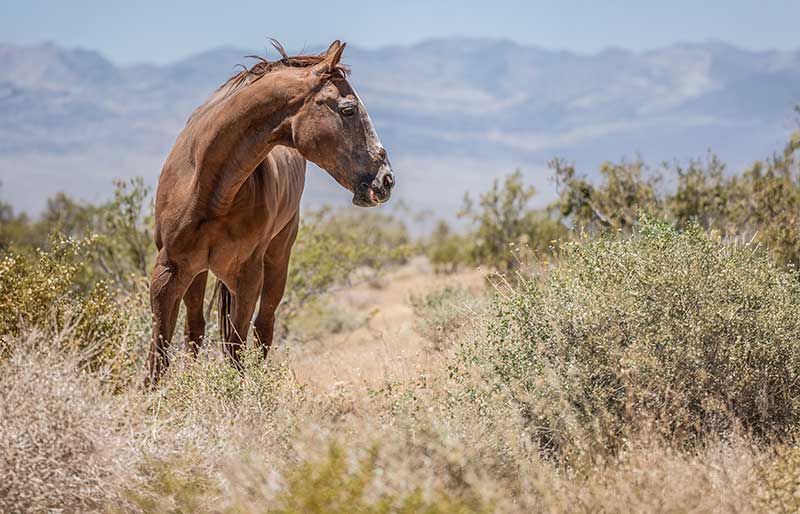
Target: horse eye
(348, 111)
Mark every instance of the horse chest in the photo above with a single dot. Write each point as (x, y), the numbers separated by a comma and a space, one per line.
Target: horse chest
(241, 238)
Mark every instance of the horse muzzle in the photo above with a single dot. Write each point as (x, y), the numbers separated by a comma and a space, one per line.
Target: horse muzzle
(376, 192)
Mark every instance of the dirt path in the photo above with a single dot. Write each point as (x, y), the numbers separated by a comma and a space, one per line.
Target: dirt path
(387, 347)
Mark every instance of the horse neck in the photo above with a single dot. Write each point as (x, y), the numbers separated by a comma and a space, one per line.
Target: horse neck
(237, 134)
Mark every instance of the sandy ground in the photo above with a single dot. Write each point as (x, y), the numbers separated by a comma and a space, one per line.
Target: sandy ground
(387, 347)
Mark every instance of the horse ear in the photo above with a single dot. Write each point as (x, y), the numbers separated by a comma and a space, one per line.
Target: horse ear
(332, 57)
(334, 46)
(334, 53)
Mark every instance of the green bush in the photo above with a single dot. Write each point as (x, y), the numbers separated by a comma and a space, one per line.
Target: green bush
(625, 190)
(334, 249)
(17, 229)
(332, 244)
(760, 203)
(120, 230)
(504, 224)
(446, 250)
(702, 194)
(330, 486)
(41, 291)
(765, 202)
(672, 329)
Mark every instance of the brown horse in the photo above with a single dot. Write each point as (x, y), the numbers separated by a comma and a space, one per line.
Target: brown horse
(228, 197)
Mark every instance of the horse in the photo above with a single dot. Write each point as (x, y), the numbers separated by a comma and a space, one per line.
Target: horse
(228, 197)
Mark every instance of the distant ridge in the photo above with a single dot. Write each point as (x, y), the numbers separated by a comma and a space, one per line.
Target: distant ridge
(454, 113)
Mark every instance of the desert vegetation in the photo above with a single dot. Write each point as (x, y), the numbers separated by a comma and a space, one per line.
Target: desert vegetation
(637, 350)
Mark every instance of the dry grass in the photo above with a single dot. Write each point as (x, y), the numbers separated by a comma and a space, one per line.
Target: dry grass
(371, 421)
(56, 433)
(267, 444)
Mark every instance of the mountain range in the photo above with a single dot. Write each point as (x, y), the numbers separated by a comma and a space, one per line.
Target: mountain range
(453, 113)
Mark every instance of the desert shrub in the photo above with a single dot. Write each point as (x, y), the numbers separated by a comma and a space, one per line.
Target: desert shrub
(701, 194)
(123, 225)
(17, 229)
(120, 229)
(331, 245)
(336, 248)
(765, 202)
(442, 312)
(86, 283)
(331, 483)
(41, 291)
(31, 289)
(331, 486)
(446, 250)
(504, 222)
(625, 191)
(124, 230)
(760, 203)
(675, 329)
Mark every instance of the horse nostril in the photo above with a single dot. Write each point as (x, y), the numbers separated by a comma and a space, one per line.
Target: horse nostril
(388, 180)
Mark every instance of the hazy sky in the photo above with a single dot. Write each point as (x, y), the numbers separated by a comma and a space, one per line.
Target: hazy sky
(164, 30)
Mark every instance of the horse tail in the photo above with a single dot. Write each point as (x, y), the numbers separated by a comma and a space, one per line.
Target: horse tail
(225, 309)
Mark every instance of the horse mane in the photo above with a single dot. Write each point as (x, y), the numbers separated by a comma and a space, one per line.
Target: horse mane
(257, 71)
(263, 66)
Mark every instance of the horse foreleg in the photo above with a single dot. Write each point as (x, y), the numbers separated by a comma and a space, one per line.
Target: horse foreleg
(195, 328)
(276, 267)
(167, 285)
(245, 295)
